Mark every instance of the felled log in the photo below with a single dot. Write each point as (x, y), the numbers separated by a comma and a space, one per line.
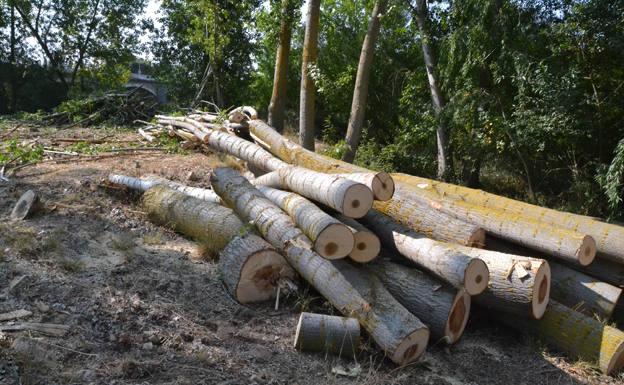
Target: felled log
(380, 183)
(577, 335)
(366, 246)
(394, 329)
(609, 237)
(327, 333)
(402, 208)
(26, 205)
(568, 245)
(445, 310)
(440, 259)
(332, 239)
(145, 183)
(343, 195)
(251, 269)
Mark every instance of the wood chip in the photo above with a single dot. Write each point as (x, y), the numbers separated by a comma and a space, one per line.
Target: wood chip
(21, 313)
(522, 273)
(55, 330)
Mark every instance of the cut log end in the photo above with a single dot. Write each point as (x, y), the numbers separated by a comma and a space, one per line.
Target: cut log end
(358, 199)
(366, 247)
(260, 276)
(541, 291)
(411, 348)
(334, 242)
(476, 277)
(617, 361)
(383, 186)
(587, 251)
(458, 317)
(477, 239)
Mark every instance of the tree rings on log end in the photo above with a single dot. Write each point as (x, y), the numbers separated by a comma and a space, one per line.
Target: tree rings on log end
(383, 186)
(27, 204)
(587, 251)
(476, 277)
(458, 317)
(617, 361)
(334, 242)
(541, 291)
(366, 247)
(411, 348)
(357, 200)
(477, 239)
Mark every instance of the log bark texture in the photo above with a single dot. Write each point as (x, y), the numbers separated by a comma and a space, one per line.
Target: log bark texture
(145, 183)
(441, 259)
(445, 310)
(578, 335)
(308, 60)
(332, 239)
(327, 333)
(278, 97)
(394, 329)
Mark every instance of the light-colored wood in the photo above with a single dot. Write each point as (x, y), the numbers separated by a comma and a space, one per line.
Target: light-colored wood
(147, 182)
(366, 245)
(576, 334)
(15, 314)
(350, 198)
(26, 205)
(609, 237)
(443, 260)
(332, 239)
(393, 328)
(54, 330)
(380, 183)
(251, 269)
(328, 334)
(445, 310)
(402, 207)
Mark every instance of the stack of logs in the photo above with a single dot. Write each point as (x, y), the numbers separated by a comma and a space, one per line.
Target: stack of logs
(403, 256)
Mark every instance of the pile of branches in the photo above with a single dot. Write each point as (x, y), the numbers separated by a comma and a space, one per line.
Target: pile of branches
(121, 108)
(402, 256)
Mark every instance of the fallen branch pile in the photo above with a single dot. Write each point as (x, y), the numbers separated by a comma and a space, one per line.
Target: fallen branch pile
(327, 221)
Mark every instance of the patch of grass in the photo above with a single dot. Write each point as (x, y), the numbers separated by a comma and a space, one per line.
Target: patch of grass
(170, 144)
(154, 239)
(70, 265)
(21, 239)
(13, 150)
(123, 242)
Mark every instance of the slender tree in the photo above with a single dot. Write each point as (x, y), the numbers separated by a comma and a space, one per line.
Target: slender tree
(421, 14)
(360, 91)
(278, 97)
(308, 60)
(13, 62)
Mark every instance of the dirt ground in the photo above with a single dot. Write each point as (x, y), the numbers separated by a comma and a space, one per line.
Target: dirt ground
(143, 307)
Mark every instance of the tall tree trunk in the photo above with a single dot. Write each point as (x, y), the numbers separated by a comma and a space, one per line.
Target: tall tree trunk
(360, 91)
(420, 14)
(13, 63)
(307, 93)
(278, 98)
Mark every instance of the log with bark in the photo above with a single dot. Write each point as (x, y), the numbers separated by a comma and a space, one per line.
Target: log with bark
(576, 334)
(147, 182)
(410, 213)
(380, 183)
(332, 239)
(327, 333)
(400, 334)
(444, 309)
(366, 246)
(438, 258)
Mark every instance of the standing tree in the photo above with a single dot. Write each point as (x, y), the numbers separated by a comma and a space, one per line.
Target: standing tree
(308, 60)
(278, 97)
(360, 91)
(420, 14)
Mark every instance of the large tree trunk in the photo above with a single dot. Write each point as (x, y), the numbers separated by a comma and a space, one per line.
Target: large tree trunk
(278, 97)
(396, 331)
(440, 259)
(403, 209)
(567, 245)
(420, 14)
(360, 91)
(308, 60)
(343, 195)
(576, 334)
(332, 239)
(609, 237)
(443, 309)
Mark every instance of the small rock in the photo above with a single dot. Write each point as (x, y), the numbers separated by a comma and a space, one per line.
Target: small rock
(186, 337)
(148, 346)
(42, 307)
(260, 354)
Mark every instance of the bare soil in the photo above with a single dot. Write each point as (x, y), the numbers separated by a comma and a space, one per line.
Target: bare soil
(145, 307)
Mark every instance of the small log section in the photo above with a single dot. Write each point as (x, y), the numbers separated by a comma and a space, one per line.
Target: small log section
(443, 309)
(27, 204)
(440, 259)
(609, 237)
(332, 239)
(578, 335)
(366, 246)
(402, 207)
(350, 198)
(251, 269)
(328, 334)
(394, 329)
